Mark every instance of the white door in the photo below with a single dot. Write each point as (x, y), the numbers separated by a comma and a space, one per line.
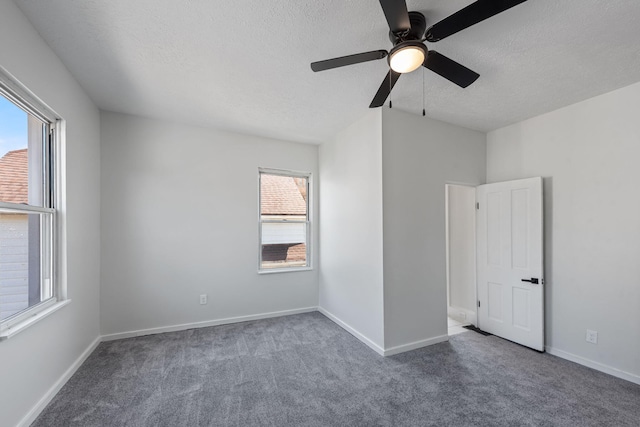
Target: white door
(510, 270)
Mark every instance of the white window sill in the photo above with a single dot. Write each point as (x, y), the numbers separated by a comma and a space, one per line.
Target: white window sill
(284, 270)
(19, 327)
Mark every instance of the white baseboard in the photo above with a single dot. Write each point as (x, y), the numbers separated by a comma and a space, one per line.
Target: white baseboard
(375, 347)
(205, 324)
(594, 365)
(462, 315)
(415, 345)
(50, 394)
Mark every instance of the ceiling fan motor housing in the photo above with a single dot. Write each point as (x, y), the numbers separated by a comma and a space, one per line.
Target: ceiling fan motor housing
(416, 32)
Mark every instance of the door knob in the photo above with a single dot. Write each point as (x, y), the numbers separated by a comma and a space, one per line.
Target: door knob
(533, 280)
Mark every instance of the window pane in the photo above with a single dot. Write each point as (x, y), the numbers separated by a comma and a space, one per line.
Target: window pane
(21, 162)
(284, 245)
(283, 197)
(282, 232)
(24, 279)
(284, 256)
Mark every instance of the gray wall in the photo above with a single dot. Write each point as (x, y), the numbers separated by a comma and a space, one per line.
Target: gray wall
(419, 156)
(180, 219)
(351, 228)
(54, 343)
(588, 154)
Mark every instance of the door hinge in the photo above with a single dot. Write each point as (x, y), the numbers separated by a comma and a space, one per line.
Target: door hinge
(478, 304)
(477, 205)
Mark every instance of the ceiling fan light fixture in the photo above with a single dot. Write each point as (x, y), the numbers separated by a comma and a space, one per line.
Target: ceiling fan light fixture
(407, 57)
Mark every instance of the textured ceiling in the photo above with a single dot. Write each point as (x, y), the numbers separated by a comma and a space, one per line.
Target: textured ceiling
(244, 65)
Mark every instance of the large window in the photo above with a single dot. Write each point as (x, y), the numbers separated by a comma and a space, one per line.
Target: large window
(27, 211)
(284, 221)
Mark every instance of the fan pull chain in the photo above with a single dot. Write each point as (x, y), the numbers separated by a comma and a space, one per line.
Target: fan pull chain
(390, 87)
(390, 103)
(424, 113)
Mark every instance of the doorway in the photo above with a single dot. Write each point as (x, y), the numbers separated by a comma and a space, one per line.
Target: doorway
(460, 203)
(494, 248)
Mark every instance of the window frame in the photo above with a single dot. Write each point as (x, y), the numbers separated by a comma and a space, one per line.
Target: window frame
(308, 222)
(52, 157)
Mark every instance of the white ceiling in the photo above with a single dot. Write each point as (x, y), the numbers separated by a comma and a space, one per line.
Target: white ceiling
(244, 65)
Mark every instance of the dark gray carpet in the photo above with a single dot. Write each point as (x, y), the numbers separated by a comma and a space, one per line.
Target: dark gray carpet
(303, 370)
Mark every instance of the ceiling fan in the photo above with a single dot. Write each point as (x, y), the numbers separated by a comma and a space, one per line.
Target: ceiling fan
(407, 32)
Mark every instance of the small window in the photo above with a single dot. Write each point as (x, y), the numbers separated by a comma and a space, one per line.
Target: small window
(27, 211)
(284, 221)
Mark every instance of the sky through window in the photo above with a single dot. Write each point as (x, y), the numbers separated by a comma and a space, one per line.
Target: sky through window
(13, 127)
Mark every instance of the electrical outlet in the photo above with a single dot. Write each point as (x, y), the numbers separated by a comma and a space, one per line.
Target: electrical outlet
(592, 336)
(203, 299)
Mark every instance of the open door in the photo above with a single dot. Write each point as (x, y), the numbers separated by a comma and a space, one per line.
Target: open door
(510, 261)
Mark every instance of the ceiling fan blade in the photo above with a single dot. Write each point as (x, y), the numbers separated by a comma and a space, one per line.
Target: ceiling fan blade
(470, 15)
(348, 60)
(397, 16)
(450, 69)
(385, 89)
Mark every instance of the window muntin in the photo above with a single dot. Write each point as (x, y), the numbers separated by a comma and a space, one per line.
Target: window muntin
(284, 221)
(26, 210)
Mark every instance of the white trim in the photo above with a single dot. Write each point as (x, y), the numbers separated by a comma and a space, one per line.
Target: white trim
(469, 316)
(55, 388)
(17, 207)
(284, 270)
(19, 94)
(284, 221)
(594, 365)
(447, 234)
(60, 204)
(21, 316)
(205, 324)
(284, 172)
(415, 345)
(375, 347)
(23, 324)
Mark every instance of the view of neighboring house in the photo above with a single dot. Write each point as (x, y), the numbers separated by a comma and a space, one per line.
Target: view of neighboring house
(283, 198)
(14, 235)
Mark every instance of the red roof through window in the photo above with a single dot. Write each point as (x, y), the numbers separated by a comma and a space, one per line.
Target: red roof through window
(281, 195)
(14, 177)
